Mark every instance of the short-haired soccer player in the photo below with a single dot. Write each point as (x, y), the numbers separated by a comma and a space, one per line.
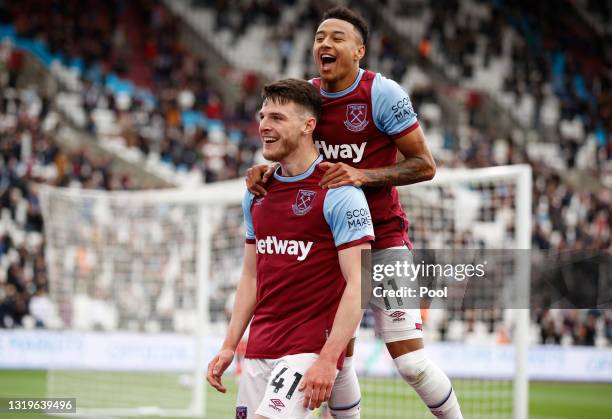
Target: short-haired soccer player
(366, 118)
(300, 285)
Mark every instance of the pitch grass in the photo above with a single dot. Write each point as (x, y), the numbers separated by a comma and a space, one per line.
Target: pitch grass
(382, 398)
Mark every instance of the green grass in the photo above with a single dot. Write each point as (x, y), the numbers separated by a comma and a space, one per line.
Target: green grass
(382, 398)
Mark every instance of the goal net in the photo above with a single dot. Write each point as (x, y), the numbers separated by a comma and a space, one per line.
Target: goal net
(484, 351)
(129, 273)
(144, 283)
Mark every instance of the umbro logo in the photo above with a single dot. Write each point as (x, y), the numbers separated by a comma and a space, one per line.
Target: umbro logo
(276, 404)
(397, 316)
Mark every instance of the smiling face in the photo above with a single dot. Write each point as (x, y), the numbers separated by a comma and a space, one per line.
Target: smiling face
(337, 50)
(281, 128)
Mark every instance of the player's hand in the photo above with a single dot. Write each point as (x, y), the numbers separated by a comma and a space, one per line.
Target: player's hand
(318, 382)
(340, 174)
(217, 367)
(257, 177)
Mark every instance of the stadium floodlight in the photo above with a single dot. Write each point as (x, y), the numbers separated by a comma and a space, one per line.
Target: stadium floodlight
(141, 281)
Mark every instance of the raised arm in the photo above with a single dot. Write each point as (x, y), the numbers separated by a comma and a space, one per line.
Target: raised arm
(417, 166)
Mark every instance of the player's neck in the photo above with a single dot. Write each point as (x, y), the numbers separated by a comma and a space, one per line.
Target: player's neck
(298, 162)
(340, 85)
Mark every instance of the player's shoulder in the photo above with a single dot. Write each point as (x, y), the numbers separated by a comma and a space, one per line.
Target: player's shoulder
(384, 86)
(348, 192)
(347, 189)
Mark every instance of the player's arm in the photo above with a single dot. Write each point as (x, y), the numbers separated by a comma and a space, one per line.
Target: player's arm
(347, 213)
(319, 379)
(418, 164)
(393, 114)
(244, 305)
(349, 311)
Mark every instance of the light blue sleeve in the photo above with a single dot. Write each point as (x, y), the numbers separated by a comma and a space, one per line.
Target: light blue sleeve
(247, 201)
(391, 107)
(348, 215)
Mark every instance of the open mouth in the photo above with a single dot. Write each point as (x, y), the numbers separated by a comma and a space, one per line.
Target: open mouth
(269, 140)
(327, 60)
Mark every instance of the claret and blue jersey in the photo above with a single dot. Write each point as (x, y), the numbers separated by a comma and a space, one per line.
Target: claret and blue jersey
(359, 126)
(298, 229)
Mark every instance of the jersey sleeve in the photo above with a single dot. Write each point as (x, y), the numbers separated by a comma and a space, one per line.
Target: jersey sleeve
(247, 202)
(391, 108)
(347, 213)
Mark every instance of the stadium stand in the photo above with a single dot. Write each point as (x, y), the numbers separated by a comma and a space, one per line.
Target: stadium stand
(30, 155)
(140, 90)
(544, 67)
(132, 83)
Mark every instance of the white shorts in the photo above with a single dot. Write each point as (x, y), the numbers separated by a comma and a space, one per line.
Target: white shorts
(398, 325)
(269, 387)
(395, 325)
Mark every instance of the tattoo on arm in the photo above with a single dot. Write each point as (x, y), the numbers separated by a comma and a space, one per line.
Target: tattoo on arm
(411, 170)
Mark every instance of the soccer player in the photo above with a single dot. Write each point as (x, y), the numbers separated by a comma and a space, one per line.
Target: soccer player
(366, 119)
(300, 283)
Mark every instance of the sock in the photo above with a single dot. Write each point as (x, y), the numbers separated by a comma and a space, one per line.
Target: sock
(345, 401)
(430, 383)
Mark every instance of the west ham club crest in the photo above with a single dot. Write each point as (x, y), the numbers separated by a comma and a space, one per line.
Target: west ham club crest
(303, 202)
(356, 117)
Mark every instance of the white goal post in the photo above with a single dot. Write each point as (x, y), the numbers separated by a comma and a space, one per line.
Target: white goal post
(141, 281)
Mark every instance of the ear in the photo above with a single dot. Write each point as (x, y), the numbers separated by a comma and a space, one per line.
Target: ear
(360, 52)
(309, 125)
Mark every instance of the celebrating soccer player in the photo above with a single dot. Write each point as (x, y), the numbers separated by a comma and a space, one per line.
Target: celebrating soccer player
(300, 282)
(366, 118)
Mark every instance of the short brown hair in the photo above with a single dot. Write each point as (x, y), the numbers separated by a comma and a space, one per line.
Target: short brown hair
(354, 18)
(297, 91)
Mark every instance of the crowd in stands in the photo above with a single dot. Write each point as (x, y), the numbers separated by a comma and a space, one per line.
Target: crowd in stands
(576, 327)
(134, 47)
(554, 58)
(186, 123)
(29, 156)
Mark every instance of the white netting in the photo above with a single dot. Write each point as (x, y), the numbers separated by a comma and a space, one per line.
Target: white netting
(467, 210)
(125, 273)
